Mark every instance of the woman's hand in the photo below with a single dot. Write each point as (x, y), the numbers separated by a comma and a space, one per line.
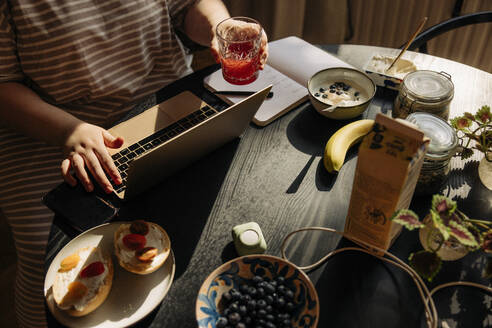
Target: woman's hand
(263, 49)
(245, 29)
(86, 147)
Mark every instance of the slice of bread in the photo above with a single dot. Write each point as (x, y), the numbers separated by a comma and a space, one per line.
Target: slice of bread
(141, 247)
(83, 281)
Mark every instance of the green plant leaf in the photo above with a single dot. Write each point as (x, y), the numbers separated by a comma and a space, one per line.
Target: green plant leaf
(461, 233)
(469, 116)
(427, 264)
(454, 122)
(476, 234)
(441, 211)
(407, 218)
(461, 123)
(476, 129)
(460, 219)
(443, 205)
(483, 114)
(439, 224)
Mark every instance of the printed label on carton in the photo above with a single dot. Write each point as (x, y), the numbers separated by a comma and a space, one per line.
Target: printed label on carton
(388, 166)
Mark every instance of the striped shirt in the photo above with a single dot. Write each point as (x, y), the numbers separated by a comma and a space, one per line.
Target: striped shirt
(92, 58)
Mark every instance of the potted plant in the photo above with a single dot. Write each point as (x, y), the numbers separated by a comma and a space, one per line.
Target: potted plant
(475, 133)
(446, 234)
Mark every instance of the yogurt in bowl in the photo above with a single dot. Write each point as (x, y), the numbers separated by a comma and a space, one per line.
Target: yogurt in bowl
(340, 92)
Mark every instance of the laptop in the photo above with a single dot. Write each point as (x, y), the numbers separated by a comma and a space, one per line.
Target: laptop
(171, 135)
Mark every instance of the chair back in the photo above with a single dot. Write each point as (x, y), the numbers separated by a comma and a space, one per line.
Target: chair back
(420, 41)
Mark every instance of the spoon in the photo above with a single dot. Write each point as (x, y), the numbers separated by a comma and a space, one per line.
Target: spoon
(408, 43)
(329, 109)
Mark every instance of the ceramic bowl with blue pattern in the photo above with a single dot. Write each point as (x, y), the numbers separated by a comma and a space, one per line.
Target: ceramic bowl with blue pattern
(240, 271)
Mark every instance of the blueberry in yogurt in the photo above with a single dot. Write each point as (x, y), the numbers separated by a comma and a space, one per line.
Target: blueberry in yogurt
(341, 93)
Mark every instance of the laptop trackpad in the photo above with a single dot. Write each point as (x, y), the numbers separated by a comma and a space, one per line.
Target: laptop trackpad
(156, 118)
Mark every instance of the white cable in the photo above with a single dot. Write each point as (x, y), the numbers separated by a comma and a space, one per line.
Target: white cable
(426, 296)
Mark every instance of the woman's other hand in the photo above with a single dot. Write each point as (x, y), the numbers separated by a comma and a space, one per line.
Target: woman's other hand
(86, 148)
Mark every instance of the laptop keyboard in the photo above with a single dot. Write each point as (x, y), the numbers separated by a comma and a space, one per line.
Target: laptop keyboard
(123, 158)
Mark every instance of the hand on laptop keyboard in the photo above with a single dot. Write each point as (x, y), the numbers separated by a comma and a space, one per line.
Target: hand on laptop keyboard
(86, 148)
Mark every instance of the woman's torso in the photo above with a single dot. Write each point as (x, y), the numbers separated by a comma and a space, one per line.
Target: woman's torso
(96, 58)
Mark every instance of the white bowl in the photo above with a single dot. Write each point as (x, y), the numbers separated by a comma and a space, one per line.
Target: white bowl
(328, 103)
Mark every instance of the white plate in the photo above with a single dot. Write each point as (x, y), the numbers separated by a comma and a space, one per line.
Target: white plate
(132, 296)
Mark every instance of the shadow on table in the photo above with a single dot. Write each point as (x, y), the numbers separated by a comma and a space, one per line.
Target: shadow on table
(308, 132)
(358, 290)
(477, 202)
(458, 306)
(464, 306)
(472, 197)
(182, 203)
(229, 252)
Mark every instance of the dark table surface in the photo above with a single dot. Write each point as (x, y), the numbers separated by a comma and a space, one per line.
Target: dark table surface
(275, 176)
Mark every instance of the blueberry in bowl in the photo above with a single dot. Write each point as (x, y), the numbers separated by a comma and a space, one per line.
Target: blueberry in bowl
(257, 290)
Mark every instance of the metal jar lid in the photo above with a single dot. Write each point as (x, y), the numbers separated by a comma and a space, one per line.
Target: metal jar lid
(443, 138)
(429, 86)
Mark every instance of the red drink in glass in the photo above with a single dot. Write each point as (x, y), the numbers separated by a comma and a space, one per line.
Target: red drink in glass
(239, 41)
(240, 68)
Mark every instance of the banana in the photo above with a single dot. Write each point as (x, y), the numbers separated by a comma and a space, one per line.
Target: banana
(338, 144)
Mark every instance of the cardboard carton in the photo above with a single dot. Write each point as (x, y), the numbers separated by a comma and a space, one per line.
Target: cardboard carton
(388, 166)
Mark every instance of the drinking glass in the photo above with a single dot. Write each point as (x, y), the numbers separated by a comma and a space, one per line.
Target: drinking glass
(239, 40)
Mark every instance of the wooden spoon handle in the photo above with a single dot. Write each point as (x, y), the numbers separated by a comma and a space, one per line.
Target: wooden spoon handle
(409, 42)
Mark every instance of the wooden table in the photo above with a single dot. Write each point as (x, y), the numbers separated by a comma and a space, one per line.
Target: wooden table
(274, 176)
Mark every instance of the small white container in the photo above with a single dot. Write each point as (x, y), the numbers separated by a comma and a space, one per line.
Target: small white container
(392, 79)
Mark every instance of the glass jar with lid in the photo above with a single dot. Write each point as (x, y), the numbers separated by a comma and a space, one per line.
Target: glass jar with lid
(443, 145)
(424, 91)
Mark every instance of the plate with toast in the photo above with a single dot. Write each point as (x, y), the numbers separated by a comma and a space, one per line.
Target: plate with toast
(110, 276)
